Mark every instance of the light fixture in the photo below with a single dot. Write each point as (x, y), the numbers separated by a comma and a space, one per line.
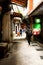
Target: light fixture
(12, 10)
(0, 9)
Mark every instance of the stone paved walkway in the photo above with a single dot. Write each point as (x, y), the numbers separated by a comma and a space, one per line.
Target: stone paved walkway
(24, 54)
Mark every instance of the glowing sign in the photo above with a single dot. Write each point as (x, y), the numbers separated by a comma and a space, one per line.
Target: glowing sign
(36, 31)
(37, 26)
(37, 20)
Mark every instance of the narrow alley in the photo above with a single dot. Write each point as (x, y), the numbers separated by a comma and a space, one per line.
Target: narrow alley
(22, 53)
(21, 32)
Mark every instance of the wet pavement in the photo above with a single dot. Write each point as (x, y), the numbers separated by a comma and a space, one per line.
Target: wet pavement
(22, 53)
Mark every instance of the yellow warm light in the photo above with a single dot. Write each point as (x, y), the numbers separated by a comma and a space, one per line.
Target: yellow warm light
(19, 9)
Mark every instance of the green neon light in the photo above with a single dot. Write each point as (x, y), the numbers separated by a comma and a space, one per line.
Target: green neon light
(37, 26)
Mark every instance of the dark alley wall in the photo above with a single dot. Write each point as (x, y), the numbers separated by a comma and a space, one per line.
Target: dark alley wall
(6, 27)
(40, 36)
(5, 8)
(0, 28)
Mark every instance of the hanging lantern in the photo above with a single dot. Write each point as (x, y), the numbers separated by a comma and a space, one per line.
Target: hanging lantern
(0, 10)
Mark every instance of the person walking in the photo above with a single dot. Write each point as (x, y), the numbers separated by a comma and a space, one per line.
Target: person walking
(21, 32)
(28, 35)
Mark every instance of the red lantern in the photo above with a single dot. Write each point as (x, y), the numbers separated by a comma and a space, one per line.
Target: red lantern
(0, 8)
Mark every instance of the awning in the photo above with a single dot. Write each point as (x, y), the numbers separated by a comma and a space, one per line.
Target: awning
(38, 10)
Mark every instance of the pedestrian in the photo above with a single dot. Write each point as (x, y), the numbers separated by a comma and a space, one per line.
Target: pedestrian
(28, 35)
(21, 32)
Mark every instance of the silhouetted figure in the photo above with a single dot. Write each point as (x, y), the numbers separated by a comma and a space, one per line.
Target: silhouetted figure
(21, 32)
(28, 35)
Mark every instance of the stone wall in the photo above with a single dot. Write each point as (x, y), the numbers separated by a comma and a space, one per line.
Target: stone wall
(6, 27)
